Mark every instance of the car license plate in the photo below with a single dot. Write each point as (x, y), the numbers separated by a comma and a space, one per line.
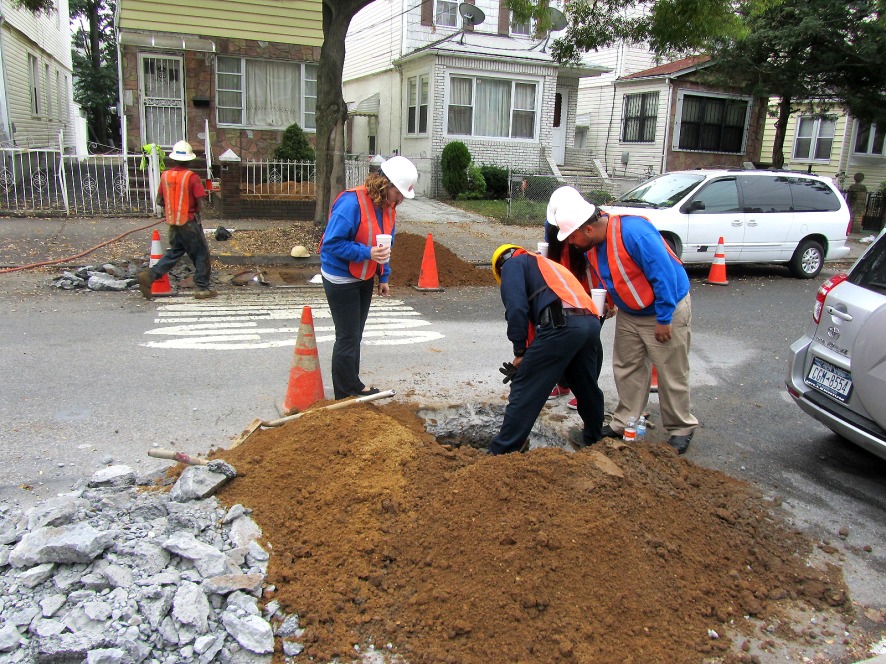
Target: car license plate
(833, 381)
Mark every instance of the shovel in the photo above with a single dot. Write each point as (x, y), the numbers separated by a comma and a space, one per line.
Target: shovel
(215, 465)
(257, 423)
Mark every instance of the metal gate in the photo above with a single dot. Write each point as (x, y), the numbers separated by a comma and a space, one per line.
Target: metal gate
(48, 181)
(162, 94)
(874, 213)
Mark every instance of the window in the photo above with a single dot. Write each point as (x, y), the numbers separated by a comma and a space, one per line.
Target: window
(446, 13)
(814, 139)
(492, 107)
(766, 194)
(711, 124)
(813, 196)
(417, 111)
(60, 97)
(639, 117)
(48, 93)
(34, 84)
(266, 93)
(868, 139)
(718, 197)
(524, 28)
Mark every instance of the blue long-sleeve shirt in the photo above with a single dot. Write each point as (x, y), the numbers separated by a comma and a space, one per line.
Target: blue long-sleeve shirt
(668, 279)
(339, 248)
(521, 279)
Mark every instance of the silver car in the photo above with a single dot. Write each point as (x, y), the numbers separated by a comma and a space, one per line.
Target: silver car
(837, 370)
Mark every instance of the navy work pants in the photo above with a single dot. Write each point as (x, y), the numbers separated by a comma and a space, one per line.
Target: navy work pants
(570, 351)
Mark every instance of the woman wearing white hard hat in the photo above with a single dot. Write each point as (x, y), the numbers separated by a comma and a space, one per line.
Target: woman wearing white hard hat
(351, 257)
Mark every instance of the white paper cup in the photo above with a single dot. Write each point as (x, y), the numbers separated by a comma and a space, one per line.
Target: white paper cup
(383, 240)
(543, 249)
(598, 295)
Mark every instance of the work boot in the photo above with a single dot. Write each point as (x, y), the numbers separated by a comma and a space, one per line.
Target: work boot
(680, 443)
(205, 294)
(145, 279)
(576, 437)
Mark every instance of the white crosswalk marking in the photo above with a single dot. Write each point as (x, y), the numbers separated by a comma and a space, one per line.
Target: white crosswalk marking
(270, 320)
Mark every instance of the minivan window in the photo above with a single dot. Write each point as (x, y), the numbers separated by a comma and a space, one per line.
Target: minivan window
(718, 197)
(766, 194)
(870, 271)
(813, 196)
(664, 191)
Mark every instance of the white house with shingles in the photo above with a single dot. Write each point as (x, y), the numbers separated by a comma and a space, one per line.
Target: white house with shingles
(419, 75)
(36, 92)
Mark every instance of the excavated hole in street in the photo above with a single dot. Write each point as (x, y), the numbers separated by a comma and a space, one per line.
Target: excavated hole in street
(476, 424)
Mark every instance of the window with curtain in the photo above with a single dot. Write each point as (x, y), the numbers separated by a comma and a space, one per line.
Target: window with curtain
(712, 124)
(639, 115)
(868, 139)
(446, 13)
(266, 93)
(417, 105)
(491, 107)
(815, 137)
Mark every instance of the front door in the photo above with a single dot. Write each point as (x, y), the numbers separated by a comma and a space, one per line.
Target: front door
(558, 135)
(162, 100)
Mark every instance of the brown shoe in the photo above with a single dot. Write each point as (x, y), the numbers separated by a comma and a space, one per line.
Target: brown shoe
(145, 279)
(205, 294)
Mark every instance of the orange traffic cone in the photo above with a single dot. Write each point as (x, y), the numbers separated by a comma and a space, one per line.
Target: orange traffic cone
(717, 275)
(653, 384)
(427, 277)
(305, 380)
(160, 286)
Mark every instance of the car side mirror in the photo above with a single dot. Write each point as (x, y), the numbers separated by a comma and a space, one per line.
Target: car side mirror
(694, 206)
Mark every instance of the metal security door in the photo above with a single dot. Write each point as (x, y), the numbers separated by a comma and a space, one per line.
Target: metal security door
(162, 93)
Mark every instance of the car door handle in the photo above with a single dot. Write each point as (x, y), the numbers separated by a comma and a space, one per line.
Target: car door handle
(736, 222)
(836, 313)
(752, 222)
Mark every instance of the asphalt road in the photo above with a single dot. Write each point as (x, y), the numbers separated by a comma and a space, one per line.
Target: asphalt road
(95, 376)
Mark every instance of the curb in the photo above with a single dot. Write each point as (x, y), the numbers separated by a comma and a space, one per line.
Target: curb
(265, 259)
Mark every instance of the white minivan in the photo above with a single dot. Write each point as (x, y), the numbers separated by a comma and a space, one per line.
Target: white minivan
(763, 216)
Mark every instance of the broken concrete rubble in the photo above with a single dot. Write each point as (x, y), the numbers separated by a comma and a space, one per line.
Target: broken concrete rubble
(114, 572)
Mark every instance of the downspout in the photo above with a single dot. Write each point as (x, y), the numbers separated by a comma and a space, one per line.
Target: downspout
(667, 135)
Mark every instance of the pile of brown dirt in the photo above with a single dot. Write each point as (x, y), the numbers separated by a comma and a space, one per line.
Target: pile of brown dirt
(380, 535)
(406, 263)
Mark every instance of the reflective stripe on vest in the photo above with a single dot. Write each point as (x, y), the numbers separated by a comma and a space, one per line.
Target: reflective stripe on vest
(562, 282)
(628, 279)
(367, 230)
(175, 195)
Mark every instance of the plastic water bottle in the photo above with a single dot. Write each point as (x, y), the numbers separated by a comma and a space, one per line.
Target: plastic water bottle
(630, 432)
(641, 427)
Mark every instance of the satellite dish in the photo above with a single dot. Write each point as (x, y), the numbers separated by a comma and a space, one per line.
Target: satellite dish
(558, 19)
(471, 15)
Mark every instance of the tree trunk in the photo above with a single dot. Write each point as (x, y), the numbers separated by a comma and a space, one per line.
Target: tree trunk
(100, 114)
(781, 128)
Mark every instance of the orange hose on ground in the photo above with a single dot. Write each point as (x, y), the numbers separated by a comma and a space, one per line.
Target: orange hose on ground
(80, 255)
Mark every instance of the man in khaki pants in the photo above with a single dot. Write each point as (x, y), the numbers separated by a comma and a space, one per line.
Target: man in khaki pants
(649, 286)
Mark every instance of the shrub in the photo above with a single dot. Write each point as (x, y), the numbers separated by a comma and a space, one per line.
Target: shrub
(454, 163)
(476, 184)
(598, 197)
(496, 181)
(540, 187)
(294, 145)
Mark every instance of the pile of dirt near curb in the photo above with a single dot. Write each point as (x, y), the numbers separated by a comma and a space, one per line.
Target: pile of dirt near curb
(380, 535)
(406, 263)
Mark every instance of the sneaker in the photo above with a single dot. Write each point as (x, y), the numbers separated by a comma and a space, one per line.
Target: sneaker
(205, 294)
(145, 280)
(558, 392)
(573, 404)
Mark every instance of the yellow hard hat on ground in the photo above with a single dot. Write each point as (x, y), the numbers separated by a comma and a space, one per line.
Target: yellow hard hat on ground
(499, 256)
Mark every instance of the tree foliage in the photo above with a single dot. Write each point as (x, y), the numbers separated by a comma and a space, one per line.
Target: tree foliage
(95, 67)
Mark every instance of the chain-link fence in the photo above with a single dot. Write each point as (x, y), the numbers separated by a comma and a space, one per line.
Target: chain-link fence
(528, 194)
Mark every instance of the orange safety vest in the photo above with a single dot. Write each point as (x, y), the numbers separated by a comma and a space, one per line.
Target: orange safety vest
(176, 199)
(562, 282)
(628, 279)
(367, 230)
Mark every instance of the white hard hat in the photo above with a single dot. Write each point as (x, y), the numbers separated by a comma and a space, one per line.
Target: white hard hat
(558, 198)
(571, 215)
(402, 174)
(182, 151)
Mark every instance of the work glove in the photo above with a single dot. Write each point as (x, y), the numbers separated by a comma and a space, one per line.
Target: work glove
(509, 371)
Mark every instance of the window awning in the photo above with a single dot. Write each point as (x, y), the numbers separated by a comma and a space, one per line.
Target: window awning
(167, 40)
(368, 107)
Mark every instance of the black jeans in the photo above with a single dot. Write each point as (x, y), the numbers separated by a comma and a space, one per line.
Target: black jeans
(186, 239)
(570, 351)
(349, 306)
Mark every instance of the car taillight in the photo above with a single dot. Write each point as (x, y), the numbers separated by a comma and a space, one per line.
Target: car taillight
(823, 291)
(849, 227)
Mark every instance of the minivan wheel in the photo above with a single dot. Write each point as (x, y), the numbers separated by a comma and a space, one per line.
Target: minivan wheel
(807, 260)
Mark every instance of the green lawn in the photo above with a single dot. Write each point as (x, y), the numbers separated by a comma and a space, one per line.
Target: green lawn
(522, 213)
